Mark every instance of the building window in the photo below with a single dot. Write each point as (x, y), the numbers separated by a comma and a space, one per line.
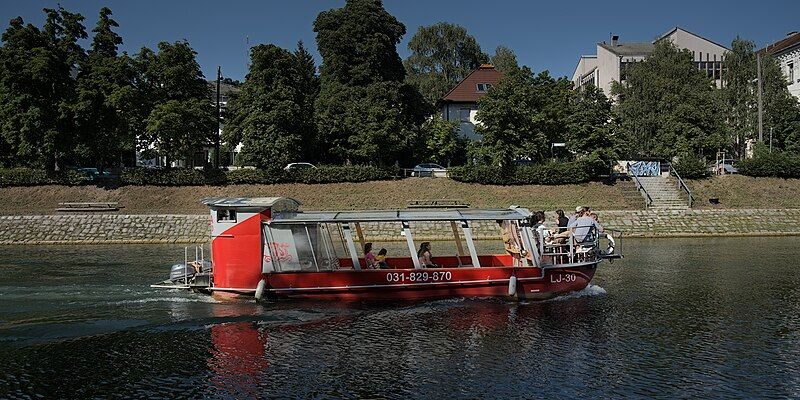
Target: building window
(463, 115)
(483, 87)
(791, 72)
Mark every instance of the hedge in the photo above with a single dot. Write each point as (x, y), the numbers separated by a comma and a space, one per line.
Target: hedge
(551, 173)
(690, 166)
(37, 177)
(192, 177)
(777, 164)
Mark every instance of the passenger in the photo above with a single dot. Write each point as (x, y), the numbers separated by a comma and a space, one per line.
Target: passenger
(578, 211)
(381, 259)
(584, 227)
(542, 230)
(599, 226)
(563, 221)
(425, 256)
(510, 242)
(369, 258)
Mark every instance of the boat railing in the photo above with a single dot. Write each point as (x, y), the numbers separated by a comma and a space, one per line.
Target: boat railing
(572, 250)
(681, 184)
(648, 201)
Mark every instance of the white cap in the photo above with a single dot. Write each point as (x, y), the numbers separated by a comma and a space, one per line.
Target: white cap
(578, 209)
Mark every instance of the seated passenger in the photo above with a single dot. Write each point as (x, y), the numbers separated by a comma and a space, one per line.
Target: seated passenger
(562, 220)
(381, 259)
(584, 228)
(600, 229)
(425, 256)
(369, 258)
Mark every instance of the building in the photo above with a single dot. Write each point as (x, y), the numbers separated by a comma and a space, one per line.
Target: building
(787, 52)
(460, 104)
(611, 60)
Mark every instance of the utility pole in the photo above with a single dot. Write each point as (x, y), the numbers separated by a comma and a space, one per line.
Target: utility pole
(219, 118)
(760, 101)
(770, 139)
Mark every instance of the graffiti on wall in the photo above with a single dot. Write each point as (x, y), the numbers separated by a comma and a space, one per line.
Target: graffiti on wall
(645, 168)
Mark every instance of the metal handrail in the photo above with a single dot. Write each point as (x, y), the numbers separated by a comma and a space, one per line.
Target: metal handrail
(648, 200)
(682, 184)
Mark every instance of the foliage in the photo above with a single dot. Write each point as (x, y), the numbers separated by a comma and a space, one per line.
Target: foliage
(337, 173)
(779, 164)
(248, 176)
(271, 116)
(37, 90)
(177, 128)
(521, 116)
(550, 173)
(591, 125)
(441, 143)
(365, 113)
(172, 177)
(504, 59)
(104, 95)
(667, 106)
(441, 56)
(38, 177)
(690, 166)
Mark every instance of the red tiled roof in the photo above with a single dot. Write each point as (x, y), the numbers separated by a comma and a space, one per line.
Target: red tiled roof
(780, 45)
(467, 90)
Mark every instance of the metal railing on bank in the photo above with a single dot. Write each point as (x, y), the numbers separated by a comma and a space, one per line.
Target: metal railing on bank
(648, 201)
(682, 184)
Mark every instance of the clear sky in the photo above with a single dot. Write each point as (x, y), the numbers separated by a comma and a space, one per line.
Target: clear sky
(545, 35)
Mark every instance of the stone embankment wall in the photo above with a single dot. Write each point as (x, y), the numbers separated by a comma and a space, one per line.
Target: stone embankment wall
(94, 228)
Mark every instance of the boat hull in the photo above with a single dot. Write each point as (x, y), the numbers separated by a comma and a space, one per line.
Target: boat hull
(407, 284)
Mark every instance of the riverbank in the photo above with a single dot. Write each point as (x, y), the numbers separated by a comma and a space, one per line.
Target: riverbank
(108, 229)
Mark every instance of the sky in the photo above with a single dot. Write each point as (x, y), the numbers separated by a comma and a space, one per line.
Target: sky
(548, 35)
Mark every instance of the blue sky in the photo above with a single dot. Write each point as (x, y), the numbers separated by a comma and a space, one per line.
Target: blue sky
(545, 35)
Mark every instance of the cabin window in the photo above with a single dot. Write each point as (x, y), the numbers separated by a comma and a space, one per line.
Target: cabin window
(298, 247)
(225, 215)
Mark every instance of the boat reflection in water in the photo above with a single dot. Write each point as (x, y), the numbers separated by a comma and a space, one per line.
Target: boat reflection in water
(268, 248)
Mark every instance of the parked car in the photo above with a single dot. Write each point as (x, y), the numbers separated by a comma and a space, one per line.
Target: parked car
(93, 173)
(428, 169)
(298, 166)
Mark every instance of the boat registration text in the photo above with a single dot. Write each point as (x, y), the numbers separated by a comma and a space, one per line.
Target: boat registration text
(436, 276)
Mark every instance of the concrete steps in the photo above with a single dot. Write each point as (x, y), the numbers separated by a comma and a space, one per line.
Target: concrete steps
(664, 192)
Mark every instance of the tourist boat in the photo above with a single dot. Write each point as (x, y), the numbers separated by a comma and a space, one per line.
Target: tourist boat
(268, 248)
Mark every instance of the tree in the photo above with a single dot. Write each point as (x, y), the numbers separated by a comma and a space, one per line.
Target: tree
(105, 97)
(271, 116)
(175, 100)
(504, 59)
(668, 107)
(739, 93)
(522, 116)
(441, 56)
(591, 125)
(307, 90)
(781, 109)
(441, 141)
(365, 112)
(37, 90)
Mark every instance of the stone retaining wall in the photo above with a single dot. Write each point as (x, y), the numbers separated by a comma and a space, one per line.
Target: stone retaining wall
(94, 228)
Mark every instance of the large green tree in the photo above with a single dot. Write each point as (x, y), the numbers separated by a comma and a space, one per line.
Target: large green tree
(105, 99)
(590, 124)
(522, 116)
(668, 107)
(37, 89)
(365, 111)
(504, 59)
(176, 100)
(441, 56)
(272, 114)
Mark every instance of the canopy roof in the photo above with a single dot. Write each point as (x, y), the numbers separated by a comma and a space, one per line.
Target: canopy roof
(468, 214)
(252, 202)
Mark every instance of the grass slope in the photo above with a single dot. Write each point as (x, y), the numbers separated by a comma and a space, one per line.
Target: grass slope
(371, 195)
(738, 191)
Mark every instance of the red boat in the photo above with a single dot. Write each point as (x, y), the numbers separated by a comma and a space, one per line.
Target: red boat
(269, 248)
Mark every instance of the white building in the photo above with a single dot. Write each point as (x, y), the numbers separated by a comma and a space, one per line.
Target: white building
(611, 60)
(460, 104)
(787, 52)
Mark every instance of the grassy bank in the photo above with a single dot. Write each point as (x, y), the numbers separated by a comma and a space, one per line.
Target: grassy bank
(738, 191)
(371, 195)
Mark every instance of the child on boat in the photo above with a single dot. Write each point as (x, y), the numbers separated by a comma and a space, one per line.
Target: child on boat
(381, 259)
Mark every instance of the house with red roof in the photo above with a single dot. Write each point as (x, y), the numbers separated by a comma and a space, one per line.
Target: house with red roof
(460, 104)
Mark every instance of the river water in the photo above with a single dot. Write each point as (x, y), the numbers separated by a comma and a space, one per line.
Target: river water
(676, 318)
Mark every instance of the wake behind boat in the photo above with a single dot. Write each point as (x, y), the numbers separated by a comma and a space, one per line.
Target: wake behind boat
(269, 248)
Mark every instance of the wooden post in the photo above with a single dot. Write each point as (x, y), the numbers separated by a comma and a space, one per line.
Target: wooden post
(360, 235)
(457, 238)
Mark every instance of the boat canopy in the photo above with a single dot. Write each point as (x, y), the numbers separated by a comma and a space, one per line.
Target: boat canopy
(276, 203)
(408, 215)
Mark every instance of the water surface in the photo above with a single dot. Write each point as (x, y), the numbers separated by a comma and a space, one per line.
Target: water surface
(676, 318)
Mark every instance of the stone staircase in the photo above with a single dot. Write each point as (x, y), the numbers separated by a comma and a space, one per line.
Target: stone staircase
(664, 192)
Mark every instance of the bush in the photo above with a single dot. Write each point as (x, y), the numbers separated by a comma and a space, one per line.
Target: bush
(337, 174)
(38, 177)
(551, 173)
(690, 166)
(777, 164)
(254, 177)
(172, 177)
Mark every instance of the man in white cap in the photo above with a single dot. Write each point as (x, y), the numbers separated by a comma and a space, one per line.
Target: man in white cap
(578, 211)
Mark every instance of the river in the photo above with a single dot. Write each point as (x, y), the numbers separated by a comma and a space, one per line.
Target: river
(676, 318)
